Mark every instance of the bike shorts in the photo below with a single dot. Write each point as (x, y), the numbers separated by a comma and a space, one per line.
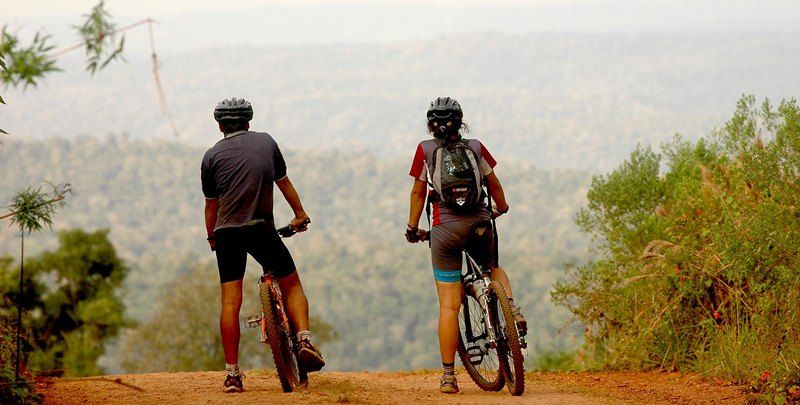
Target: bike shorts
(263, 243)
(471, 233)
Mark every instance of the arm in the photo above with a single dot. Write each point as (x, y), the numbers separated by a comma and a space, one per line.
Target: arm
(212, 205)
(417, 203)
(496, 190)
(418, 194)
(291, 196)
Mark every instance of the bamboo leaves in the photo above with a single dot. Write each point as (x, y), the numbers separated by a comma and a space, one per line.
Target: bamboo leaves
(99, 37)
(32, 208)
(25, 65)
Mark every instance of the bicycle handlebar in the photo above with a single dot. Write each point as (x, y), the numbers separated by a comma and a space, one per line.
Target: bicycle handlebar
(288, 231)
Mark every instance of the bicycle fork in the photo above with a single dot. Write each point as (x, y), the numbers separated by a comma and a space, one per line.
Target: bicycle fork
(481, 287)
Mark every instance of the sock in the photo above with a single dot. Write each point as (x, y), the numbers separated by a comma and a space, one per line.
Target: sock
(449, 368)
(232, 369)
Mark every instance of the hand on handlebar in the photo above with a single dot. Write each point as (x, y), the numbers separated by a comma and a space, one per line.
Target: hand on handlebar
(495, 212)
(300, 222)
(415, 235)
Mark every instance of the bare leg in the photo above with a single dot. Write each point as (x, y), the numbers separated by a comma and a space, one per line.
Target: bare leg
(449, 305)
(229, 320)
(499, 275)
(295, 300)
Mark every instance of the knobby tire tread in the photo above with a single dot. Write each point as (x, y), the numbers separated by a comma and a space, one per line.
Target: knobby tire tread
(515, 384)
(274, 338)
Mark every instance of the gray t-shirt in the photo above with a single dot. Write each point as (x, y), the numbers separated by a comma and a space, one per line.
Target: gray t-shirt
(239, 171)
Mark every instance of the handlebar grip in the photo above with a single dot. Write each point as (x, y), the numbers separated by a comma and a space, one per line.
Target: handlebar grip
(288, 231)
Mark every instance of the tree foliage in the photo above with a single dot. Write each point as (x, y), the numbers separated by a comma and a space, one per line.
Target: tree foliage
(28, 65)
(99, 38)
(697, 261)
(32, 209)
(72, 301)
(25, 65)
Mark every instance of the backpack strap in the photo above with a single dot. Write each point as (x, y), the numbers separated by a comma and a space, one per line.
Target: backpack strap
(435, 175)
(428, 204)
(496, 258)
(475, 161)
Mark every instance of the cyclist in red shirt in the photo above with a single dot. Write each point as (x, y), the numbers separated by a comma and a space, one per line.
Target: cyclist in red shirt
(454, 218)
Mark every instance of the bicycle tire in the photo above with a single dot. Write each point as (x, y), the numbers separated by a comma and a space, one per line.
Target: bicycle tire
(481, 376)
(513, 369)
(278, 337)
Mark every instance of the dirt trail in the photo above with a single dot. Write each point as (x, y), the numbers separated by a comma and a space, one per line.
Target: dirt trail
(392, 388)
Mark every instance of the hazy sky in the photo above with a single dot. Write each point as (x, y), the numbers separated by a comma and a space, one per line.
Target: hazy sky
(186, 25)
(34, 8)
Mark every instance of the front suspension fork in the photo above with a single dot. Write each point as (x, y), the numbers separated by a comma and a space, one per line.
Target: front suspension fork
(480, 288)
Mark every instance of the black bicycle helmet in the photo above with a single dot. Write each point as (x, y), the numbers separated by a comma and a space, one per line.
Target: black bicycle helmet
(444, 108)
(234, 109)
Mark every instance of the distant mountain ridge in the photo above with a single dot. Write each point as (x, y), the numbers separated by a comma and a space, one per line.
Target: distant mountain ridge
(573, 101)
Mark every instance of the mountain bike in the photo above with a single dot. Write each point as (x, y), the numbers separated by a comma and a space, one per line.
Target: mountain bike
(276, 330)
(489, 342)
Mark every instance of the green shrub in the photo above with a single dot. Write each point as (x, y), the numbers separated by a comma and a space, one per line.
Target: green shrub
(697, 263)
(22, 391)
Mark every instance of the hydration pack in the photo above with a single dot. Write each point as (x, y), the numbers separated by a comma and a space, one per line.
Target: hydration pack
(455, 174)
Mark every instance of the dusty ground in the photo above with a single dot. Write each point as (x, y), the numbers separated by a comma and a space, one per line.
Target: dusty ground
(391, 388)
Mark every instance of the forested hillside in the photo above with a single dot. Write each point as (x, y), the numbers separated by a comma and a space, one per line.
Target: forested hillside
(556, 100)
(375, 289)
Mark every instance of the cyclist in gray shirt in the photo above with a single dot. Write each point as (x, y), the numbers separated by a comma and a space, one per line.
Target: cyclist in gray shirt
(237, 175)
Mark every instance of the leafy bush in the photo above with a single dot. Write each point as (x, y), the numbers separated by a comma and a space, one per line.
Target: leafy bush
(697, 263)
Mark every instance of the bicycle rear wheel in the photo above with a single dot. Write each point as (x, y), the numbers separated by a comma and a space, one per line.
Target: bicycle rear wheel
(481, 361)
(280, 338)
(508, 344)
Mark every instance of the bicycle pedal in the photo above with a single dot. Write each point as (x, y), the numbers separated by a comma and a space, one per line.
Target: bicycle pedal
(475, 351)
(475, 354)
(253, 321)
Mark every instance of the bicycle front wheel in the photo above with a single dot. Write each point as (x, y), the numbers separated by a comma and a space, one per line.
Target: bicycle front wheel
(508, 344)
(481, 361)
(280, 339)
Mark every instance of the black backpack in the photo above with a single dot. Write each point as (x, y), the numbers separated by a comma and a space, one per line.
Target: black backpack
(456, 175)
